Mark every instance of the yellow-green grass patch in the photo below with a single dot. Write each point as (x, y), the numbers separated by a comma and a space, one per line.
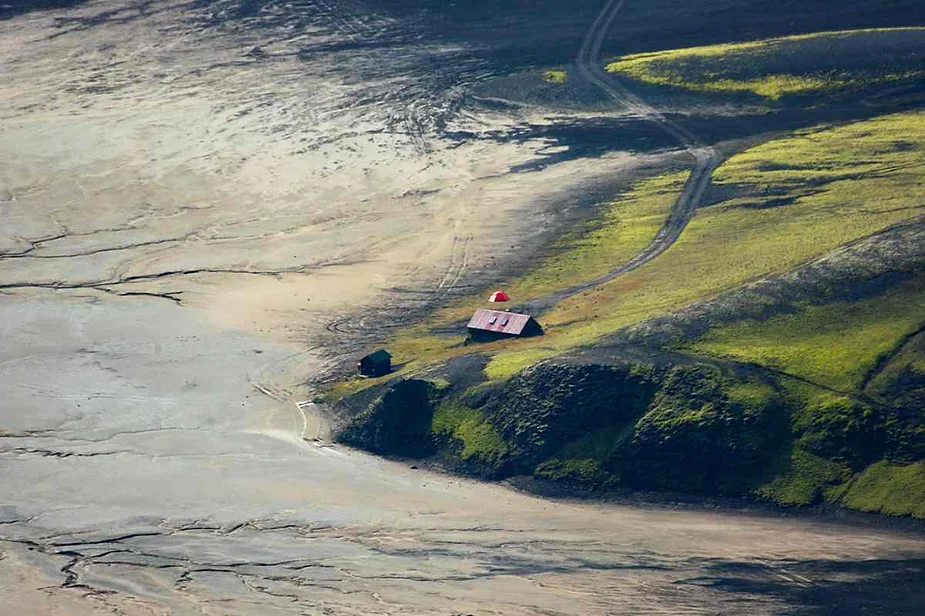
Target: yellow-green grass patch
(478, 437)
(834, 344)
(888, 488)
(555, 76)
(807, 479)
(819, 63)
(839, 184)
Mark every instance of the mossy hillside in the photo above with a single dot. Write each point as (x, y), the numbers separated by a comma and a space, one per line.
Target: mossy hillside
(634, 424)
(855, 431)
(851, 369)
(825, 63)
(748, 233)
(887, 488)
(899, 381)
(629, 423)
(704, 432)
(862, 355)
(899, 378)
(834, 344)
(692, 428)
(806, 479)
(466, 431)
(545, 407)
(790, 200)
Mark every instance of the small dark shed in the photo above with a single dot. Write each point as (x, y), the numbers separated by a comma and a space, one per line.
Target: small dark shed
(494, 324)
(376, 363)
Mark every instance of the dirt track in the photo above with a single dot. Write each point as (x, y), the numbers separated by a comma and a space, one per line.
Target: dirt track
(190, 196)
(706, 159)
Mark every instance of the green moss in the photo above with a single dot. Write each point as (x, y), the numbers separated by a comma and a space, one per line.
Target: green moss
(751, 394)
(900, 378)
(695, 437)
(841, 62)
(580, 471)
(599, 445)
(478, 438)
(555, 76)
(843, 429)
(544, 408)
(889, 489)
(834, 344)
(806, 479)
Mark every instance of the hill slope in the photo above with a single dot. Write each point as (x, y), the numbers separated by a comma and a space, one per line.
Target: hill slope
(775, 351)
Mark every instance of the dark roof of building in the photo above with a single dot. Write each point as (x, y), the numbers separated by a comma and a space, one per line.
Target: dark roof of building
(499, 321)
(379, 356)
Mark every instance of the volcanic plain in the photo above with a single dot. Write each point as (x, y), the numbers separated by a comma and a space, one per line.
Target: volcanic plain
(210, 209)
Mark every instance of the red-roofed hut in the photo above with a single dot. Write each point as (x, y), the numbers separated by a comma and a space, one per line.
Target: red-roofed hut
(493, 324)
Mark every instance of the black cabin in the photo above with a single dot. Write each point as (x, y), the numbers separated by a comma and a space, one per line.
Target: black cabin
(377, 363)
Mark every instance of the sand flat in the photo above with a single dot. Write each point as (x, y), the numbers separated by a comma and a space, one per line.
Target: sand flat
(187, 203)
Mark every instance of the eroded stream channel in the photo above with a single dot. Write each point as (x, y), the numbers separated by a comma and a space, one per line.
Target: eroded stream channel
(190, 195)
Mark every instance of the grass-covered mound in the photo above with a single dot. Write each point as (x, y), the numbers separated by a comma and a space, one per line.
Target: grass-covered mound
(695, 427)
(791, 407)
(784, 353)
(810, 65)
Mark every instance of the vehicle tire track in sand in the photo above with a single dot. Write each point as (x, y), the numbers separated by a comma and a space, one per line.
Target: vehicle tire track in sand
(706, 158)
(352, 325)
(458, 266)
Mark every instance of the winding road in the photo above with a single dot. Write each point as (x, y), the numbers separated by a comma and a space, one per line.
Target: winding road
(706, 158)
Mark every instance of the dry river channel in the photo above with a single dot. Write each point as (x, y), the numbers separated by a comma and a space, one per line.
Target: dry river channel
(201, 205)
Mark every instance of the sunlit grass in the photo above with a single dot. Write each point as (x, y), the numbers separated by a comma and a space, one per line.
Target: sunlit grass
(806, 481)
(819, 63)
(839, 184)
(888, 488)
(555, 76)
(833, 344)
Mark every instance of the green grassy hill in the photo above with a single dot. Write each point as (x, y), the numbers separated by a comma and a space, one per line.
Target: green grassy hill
(775, 351)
